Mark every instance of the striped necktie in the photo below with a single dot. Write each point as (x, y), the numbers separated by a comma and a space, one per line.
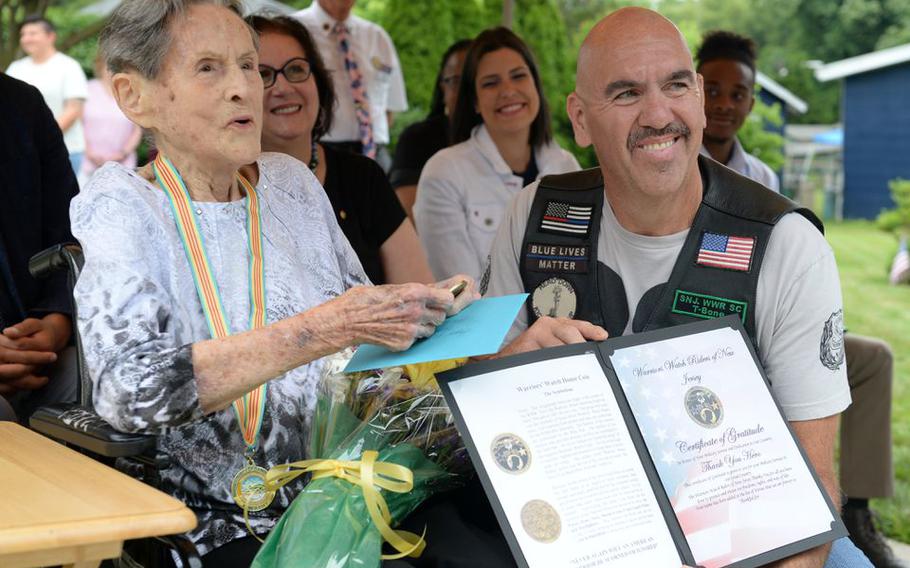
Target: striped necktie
(358, 91)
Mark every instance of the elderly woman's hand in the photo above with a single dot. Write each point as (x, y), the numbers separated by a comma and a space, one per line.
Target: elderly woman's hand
(393, 316)
(463, 299)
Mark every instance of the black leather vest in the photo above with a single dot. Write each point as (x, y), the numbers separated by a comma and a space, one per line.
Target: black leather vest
(716, 272)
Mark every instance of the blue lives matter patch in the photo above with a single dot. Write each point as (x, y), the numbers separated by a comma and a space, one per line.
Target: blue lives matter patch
(707, 307)
(565, 259)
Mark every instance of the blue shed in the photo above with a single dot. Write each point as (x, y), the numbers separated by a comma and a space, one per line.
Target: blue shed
(876, 120)
(771, 93)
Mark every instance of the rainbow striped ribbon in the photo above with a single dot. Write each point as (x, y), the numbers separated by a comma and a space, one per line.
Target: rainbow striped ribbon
(250, 408)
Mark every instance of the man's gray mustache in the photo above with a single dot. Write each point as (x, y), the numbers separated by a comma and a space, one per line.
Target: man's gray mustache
(676, 128)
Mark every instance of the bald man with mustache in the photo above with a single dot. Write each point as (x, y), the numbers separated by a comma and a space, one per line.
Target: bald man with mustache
(624, 247)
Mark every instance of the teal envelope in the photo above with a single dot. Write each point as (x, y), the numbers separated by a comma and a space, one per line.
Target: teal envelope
(477, 330)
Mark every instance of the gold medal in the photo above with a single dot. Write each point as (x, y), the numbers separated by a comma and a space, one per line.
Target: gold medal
(248, 488)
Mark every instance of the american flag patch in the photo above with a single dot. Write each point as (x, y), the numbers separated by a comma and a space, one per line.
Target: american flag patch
(566, 219)
(724, 251)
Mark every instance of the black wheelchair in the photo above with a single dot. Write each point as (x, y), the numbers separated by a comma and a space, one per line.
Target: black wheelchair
(76, 425)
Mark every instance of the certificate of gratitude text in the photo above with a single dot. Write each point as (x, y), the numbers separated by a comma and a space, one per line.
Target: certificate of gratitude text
(724, 454)
(556, 450)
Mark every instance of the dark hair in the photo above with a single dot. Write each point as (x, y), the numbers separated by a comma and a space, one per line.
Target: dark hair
(465, 117)
(294, 29)
(48, 25)
(721, 44)
(438, 103)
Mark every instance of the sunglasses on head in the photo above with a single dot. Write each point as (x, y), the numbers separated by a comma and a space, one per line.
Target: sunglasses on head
(296, 70)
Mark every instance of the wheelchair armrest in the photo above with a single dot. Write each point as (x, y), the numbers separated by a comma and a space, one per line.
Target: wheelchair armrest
(58, 257)
(68, 257)
(76, 425)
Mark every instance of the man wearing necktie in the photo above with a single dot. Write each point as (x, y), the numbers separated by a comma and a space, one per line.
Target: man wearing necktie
(366, 73)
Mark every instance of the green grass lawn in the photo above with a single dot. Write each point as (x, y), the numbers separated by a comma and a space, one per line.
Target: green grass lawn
(873, 307)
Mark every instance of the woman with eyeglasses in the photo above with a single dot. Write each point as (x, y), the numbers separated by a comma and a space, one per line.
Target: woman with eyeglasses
(503, 142)
(419, 141)
(297, 111)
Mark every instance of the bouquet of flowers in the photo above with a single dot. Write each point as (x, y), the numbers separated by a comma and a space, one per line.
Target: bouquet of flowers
(382, 442)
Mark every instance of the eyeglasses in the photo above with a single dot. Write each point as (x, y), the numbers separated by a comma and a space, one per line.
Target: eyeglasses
(296, 70)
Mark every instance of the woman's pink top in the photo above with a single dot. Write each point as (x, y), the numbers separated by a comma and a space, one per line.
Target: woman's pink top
(107, 130)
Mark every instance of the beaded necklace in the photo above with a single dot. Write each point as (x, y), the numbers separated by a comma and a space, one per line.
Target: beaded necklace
(314, 157)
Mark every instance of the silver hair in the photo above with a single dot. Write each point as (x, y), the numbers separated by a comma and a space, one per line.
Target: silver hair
(138, 34)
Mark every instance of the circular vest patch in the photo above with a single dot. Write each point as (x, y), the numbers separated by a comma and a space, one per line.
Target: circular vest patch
(554, 298)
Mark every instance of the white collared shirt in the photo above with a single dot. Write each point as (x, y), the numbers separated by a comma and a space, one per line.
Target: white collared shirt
(462, 195)
(376, 59)
(748, 165)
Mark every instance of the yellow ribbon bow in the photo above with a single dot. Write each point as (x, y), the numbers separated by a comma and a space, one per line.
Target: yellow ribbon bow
(368, 474)
(424, 374)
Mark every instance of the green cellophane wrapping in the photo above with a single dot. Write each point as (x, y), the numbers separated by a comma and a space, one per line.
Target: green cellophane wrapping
(328, 524)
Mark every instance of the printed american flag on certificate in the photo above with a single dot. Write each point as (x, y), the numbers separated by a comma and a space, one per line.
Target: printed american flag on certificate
(724, 251)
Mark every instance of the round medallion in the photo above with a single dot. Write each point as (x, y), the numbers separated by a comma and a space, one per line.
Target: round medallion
(511, 453)
(541, 521)
(555, 298)
(704, 407)
(248, 489)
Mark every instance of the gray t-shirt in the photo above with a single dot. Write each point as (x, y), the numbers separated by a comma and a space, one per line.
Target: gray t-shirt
(798, 296)
(139, 313)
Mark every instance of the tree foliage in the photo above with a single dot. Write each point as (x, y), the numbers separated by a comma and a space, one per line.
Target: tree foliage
(468, 18)
(897, 219)
(76, 32)
(407, 21)
(540, 24)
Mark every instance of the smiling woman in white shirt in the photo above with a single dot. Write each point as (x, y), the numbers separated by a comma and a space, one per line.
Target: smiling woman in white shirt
(501, 127)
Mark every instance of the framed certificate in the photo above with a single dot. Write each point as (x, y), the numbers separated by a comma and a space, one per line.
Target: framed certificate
(656, 449)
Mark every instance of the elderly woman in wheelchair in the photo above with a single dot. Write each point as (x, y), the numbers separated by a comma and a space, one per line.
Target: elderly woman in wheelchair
(216, 278)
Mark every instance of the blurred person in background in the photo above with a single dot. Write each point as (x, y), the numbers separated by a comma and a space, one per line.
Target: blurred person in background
(727, 62)
(419, 141)
(58, 76)
(501, 127)
(366, 74)
(109, 135)
(297, 111)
